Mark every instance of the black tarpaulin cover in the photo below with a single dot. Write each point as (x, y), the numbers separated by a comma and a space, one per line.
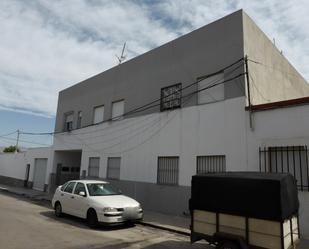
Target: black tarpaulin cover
(270, 196)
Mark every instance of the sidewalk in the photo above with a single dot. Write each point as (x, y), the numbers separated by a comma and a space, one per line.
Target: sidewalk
(27, 192)
(153, 219)
(175, 224)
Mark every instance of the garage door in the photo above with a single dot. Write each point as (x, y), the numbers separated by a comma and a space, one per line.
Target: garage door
(40, 166)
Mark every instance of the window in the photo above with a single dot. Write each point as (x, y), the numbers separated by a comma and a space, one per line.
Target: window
(65, 169)
(63, 186)
(94, 165)
(113, 168)
(98, 114)
(117, 110)
(287, 159)
(212, 94)
(68, 121)
(79, 120)
(171, 97)
(209, 164)
(69, 187)
(80, 187)
(102, 189)
(75, 169)
(168, 170)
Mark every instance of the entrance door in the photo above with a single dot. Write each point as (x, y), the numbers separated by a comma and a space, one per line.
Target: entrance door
(40, 166)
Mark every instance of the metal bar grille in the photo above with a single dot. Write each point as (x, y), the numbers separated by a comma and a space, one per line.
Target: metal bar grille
(210, 164)
(168, 170)
(287, 159)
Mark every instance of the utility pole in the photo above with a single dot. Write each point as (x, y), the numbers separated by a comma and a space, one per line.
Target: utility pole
(17, 140)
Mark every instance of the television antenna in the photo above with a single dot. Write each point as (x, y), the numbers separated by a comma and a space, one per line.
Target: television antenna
(122, 56)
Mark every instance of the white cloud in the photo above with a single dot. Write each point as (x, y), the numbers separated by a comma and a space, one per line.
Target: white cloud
(46, 46)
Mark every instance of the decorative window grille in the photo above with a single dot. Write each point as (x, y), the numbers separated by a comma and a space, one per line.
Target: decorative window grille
(210, 164)
(168, 170)
(171, 97)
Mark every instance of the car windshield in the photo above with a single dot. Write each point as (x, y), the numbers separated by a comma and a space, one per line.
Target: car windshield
(102, 189)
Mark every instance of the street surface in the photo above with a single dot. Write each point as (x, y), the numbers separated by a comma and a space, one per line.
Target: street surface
(25, 224)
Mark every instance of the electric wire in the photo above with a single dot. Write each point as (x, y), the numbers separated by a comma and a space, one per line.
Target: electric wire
(257, 89)
(8, 134)
(144, 107)
(276, 69)
(210, 85)
(24, 141)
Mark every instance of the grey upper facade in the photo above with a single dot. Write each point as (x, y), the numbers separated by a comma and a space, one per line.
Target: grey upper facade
(183, 60)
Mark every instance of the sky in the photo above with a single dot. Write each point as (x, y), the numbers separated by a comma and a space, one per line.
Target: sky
(47, 46)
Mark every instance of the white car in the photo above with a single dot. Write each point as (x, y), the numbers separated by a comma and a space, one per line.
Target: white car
(96, 201)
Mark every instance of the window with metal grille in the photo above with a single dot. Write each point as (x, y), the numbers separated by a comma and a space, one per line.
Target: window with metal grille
(209, 164)
(168, 170)
(286, 159)
(94, 165)
(113, 168)
(171, 97)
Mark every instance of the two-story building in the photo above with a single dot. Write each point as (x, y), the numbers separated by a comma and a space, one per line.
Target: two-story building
(186, 107)
(221, 98)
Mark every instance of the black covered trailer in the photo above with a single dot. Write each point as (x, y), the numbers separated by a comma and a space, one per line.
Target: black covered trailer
(245, 210)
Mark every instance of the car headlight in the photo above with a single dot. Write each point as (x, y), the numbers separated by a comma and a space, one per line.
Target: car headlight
(109, 209)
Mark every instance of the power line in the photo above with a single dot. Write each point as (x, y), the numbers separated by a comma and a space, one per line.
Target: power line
(211, 84)
(8, 134)
(152, 135)
(276, 69)
(257, 89)
(24, 141)
(148, 105)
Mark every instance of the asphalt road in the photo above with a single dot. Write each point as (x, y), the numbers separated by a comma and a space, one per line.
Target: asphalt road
(25, 224)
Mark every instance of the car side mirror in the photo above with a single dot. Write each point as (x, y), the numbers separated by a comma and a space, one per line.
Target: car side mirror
(82, 193)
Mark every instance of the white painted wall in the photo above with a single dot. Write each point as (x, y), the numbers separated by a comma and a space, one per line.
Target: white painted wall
(14, 164)
(211, 129)
(278, 127)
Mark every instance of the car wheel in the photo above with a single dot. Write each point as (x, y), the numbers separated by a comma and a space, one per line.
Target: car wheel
(92, 218)
(58, 209)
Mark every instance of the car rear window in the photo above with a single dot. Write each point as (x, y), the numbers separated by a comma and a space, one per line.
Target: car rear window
(63, 186)
(69, 187)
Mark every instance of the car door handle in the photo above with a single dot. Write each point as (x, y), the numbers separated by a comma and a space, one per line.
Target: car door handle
(72, 197)
(62, 194)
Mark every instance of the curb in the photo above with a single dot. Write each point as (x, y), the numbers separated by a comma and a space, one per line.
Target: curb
(164, 228)
(144, 223)
(25, 195)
